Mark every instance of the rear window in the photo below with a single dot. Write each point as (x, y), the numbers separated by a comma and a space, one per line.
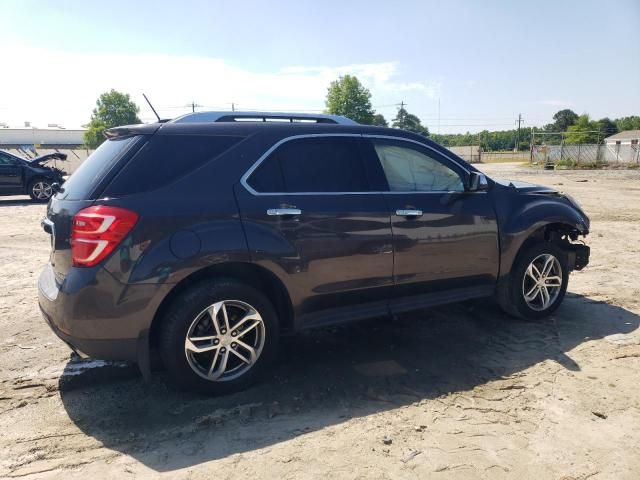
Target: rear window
(312, 165)
(164, 159)
(84, 180)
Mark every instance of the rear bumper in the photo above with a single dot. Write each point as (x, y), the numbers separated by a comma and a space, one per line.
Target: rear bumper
(109, 349)
(96, 315)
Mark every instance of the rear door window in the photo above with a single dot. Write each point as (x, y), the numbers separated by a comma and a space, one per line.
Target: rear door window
(166, 158)
(84, 180)
(312, 165)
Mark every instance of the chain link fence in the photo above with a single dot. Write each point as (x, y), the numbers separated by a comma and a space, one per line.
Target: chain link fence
(585, 155)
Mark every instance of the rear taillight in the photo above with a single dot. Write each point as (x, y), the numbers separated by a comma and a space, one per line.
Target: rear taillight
(96, 231)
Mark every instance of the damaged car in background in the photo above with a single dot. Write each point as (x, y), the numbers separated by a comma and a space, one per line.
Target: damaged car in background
(39, 177)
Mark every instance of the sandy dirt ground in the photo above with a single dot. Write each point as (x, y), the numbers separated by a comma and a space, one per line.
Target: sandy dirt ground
(456, 392)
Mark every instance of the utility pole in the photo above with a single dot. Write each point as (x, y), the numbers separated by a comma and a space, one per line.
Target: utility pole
(401, 112)
(193, 105)
(438, 116)
(520, 120)
(533, 145)
(233, 107)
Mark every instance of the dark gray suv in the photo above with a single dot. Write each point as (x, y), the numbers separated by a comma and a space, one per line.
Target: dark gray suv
(207, 237)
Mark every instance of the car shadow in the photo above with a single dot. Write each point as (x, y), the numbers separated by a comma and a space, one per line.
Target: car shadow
(16, 200)
(326, 377)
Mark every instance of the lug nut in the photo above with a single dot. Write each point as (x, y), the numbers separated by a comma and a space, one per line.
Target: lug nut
(233, 345)
(234, 333)
(223, 349)
(216, 341)
(223, 331)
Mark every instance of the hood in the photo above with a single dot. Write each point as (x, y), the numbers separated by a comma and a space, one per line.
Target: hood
(49, 156)
(525, 187)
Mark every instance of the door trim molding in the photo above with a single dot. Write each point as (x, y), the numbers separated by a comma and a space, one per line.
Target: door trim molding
(364, 311)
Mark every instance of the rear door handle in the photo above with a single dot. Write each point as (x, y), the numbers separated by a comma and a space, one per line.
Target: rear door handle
(283, 212)
(409, 213)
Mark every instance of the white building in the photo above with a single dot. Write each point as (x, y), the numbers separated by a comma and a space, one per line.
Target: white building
(41, 137)
(628, 137)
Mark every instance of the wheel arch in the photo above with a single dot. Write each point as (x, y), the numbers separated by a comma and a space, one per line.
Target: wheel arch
(38, 176)
(542, 231)
(249, 273)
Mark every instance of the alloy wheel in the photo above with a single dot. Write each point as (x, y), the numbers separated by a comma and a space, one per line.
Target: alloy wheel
(225, 340)
(542, 282)
(42, 190)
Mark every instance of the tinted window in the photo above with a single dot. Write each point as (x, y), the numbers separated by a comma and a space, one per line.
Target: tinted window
(410, 169)
(93, 169)
(268, 176)
(7, 160)
(323, 164)
(164, 159)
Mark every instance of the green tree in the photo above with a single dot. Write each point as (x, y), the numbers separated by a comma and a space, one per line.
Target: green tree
(564, 119)
(408, 121)
(379, 120)
(347, 96)
(503, 140)
(628, 123)
(582, 131)
(113, 109)
(94, 135)
(607, 128)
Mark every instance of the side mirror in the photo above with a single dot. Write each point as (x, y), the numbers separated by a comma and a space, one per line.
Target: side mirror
(477, 182)
(56, 187)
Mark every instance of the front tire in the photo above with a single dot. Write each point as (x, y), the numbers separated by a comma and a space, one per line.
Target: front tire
(537, 283)
(218, 337)
(40, 190)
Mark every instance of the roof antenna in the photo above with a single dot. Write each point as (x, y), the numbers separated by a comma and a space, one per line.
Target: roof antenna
(154, 110)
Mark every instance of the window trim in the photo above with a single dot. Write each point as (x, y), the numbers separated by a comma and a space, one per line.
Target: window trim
(263, 157)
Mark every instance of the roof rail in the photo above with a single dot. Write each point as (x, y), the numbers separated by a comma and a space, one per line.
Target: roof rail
(276, 117)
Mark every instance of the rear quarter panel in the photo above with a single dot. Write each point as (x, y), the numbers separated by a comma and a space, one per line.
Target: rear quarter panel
(188, 225)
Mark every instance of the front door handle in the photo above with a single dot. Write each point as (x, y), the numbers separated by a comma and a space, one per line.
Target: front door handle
(409, 213)
(283, 212)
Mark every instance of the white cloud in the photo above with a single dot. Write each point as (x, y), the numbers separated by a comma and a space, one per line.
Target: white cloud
(62, 87)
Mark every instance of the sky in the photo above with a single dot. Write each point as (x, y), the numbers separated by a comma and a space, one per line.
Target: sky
(458, 65)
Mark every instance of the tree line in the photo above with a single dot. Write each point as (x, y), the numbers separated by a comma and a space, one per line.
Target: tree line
(348, 97)
(568, 127)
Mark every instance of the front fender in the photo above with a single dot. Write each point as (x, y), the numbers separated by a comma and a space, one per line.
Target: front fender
(523, 222)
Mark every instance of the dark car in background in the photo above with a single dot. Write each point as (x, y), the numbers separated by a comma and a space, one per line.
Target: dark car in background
(36, 177)
(207, 237)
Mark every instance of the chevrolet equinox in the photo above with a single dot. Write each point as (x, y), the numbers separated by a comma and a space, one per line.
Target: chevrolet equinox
(206, 237)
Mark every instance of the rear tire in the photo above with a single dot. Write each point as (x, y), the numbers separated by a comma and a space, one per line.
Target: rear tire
(537, 283)
(224, 356)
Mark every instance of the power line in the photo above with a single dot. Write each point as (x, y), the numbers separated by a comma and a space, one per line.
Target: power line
(472, 124)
